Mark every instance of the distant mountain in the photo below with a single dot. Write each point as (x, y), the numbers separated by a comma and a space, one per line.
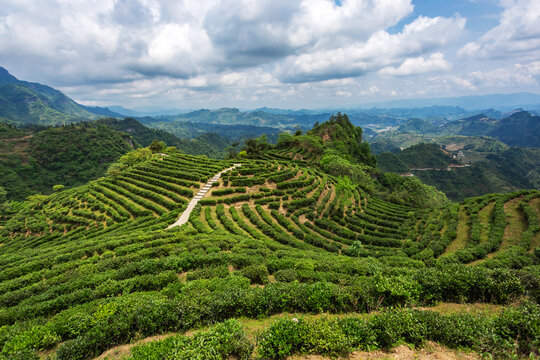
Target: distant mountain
(23, 102)
(505, 171)
(422, 155)
(519, 129)
(145, 111)
(502, 102)
(233, 116)
(417, 125)
(192, 130)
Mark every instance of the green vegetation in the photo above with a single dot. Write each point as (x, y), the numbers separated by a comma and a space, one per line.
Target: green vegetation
(68, 155)
(502, 171)
(209, 144)
(88, 268)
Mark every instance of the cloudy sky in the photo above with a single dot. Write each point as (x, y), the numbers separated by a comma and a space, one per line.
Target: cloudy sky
(278, 53)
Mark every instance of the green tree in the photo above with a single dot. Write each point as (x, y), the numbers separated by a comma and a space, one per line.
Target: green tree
(157, 146)
(344, 190)
(285, 139)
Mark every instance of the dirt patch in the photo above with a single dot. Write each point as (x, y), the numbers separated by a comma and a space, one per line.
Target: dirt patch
(431, 351)
(122, 351)
(455, 147)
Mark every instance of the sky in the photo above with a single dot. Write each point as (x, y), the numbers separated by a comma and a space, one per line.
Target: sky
(189, 54)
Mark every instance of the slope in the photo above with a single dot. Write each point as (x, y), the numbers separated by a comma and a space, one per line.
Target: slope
(33, 161)
(24, 102)
(91, 267)
(209, 144)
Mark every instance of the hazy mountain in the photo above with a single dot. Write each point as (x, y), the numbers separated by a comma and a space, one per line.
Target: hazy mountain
(502, 102)
(145, 111)
(23, 102)
(519, 129)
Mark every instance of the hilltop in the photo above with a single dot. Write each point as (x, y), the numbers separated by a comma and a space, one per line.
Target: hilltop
(87, 268)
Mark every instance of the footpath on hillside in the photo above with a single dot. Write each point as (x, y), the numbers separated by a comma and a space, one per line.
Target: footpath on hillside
(185, 215)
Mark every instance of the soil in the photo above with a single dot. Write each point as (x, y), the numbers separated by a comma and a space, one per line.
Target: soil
(431, 351)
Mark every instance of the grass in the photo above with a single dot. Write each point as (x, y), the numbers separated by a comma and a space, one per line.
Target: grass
(516, 223)
(484, 218)
(462, 233)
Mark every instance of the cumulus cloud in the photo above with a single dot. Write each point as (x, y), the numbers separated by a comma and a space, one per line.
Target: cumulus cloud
(518, 33)
(176, 50)
(511, 77)
(381, 50)
(419, 65)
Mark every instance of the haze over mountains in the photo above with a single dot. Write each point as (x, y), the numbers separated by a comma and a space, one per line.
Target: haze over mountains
(25, 102)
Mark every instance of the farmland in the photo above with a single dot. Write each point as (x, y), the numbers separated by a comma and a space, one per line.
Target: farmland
(92, 267)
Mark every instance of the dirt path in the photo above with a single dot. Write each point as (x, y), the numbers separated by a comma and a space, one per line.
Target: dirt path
(462, 233)
(185, 215)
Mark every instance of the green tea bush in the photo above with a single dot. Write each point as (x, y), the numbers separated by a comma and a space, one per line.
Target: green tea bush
(222, 341)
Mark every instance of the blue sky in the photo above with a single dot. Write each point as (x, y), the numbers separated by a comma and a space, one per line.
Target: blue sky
(279, 53)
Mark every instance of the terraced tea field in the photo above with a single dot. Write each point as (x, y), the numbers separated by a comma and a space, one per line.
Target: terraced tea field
(92, 267)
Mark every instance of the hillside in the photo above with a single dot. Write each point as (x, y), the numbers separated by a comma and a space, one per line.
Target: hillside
(233, 116)
(494, 171)
(205, 143)
(34, 161)
(23, 102)
(95, 266)
(87, 268)
(193, 130)
(519, 129)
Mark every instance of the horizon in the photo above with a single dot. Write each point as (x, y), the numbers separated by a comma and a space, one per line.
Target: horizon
(288, 55)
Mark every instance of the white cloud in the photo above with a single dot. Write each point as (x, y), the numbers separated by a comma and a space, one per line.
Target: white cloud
(517, 35)
(381, 50)
(419, 65)
(199, 52)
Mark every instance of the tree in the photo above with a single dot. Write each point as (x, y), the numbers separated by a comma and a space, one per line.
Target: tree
(232, 150)
(263, 142)
(284, 139)
(157, 146)
(344, 190)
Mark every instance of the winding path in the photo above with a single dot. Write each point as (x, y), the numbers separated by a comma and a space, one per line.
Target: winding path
(185, 215)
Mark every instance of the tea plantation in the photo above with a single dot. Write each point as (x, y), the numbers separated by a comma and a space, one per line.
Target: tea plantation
(89, 268)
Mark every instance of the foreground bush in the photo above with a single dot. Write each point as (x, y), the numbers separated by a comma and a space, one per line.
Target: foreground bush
(223, 341)
(514, 333)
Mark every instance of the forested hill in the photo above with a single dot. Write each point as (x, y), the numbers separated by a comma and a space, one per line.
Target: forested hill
(209, 144)
(506, 170)
(23, 102)
(34, 161)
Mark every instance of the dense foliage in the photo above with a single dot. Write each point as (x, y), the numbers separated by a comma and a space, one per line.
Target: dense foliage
(68, 155)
